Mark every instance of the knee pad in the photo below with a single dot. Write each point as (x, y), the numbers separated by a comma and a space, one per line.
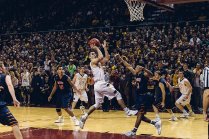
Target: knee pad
(58, 110)
(97, 105)
(118, 96)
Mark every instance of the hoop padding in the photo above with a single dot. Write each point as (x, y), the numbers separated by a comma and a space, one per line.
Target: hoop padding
(136, 10)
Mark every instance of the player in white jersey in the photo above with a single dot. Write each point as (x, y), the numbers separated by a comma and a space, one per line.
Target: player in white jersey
(80, 81)
(186, 91)
(102, 88)
(25, 85)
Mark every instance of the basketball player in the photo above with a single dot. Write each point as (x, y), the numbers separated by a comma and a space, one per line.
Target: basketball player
(26, 79)
(80, 81)
(186, 91)
(63, 86)
(6, 118)
(101, 88)
(141, 79)
(206, 93)
(162, 96)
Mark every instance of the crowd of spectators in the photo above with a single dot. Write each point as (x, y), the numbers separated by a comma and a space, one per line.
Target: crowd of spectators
(167, 47)
(37, 15)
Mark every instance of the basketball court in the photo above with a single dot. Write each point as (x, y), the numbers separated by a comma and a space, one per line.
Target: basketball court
(38, 123)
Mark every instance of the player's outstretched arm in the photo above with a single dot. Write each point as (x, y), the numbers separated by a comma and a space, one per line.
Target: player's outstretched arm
(126, 64)
(12, 91)
(53, 91)
(99, 58)
(107, 55)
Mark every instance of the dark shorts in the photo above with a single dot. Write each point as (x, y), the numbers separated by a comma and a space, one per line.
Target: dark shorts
(141, 103)
(6, 117)
(64, 101)
(168, 103)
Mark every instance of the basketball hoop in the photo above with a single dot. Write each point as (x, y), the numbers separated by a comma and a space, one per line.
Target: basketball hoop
(136, 9)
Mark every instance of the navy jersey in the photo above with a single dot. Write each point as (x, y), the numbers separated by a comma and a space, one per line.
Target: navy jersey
(158, 92)
(62, 84)
(3, 88)
(141, 83)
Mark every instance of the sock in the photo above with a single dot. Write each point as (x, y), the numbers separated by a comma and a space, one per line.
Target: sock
(135, 129)
(190, 111)
(172, 115)
(152, 122)
(74, 118)
(157, 116)
(86, 115)
(126, 109)
(60, 117)
(184, 111)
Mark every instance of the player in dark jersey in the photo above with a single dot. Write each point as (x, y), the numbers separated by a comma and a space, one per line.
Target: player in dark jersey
(162, 96)
(6, 118)
(141, 79)
(62, 87)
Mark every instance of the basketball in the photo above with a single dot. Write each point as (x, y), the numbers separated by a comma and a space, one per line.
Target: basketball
(94, 41)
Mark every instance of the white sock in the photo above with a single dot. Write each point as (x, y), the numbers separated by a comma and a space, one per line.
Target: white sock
(86, 115)
(60, 117)
(74, 118)
(126, 109)
(184, 111)
(157, 116)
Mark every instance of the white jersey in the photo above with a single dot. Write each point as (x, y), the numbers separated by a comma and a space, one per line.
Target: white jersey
(98, 73)
(182, 86)
(25, 79)
(81, 81)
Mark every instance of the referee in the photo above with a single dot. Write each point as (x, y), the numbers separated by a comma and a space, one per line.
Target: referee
(206, 93)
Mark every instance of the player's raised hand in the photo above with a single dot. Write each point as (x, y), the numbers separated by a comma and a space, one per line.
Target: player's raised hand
(104, 45)
(16, 103)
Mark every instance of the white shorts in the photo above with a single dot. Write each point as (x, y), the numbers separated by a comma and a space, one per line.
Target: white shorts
(82, 97)
(102, 89)
(182, 101)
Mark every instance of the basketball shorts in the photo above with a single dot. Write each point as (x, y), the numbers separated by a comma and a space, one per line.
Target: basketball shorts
(63, 100)
(6, 117)
(83, 96)
(141, 103)
(183, 101)
(102, 89)
(168, 103)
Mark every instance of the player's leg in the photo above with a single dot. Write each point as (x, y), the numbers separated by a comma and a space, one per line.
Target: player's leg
(141, 117)
(98, 102)
(60, 118)
(168, 106)
(179, 104)
(84, 100)
(191, 113)
(205, 104)
(75, 100)
(111, 92)
(8, 119)
(156, 106)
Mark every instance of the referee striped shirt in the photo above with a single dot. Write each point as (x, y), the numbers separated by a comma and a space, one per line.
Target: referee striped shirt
(206, 77)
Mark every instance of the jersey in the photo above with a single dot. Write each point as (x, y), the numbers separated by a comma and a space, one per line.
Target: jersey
(81, 81)
(141, 83)
(182, 86)
(25, 79)
(98, 73)
(63, 87)
(3, 88)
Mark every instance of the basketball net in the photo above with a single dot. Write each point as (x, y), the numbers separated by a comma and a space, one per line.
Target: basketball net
(136, 9)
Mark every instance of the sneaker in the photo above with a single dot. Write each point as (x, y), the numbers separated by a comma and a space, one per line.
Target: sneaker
(82, 121)
(131, 112)
(192, 114)
(82, 108)
(76, 122)
(130, 134)
(59, 120)
(184, 115)
(158, 126)
(173, 118)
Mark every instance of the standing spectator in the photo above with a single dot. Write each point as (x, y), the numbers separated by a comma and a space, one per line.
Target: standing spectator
(37, 85)
(71, 68)
(206, 93)
(197, 87)
(25, 86)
